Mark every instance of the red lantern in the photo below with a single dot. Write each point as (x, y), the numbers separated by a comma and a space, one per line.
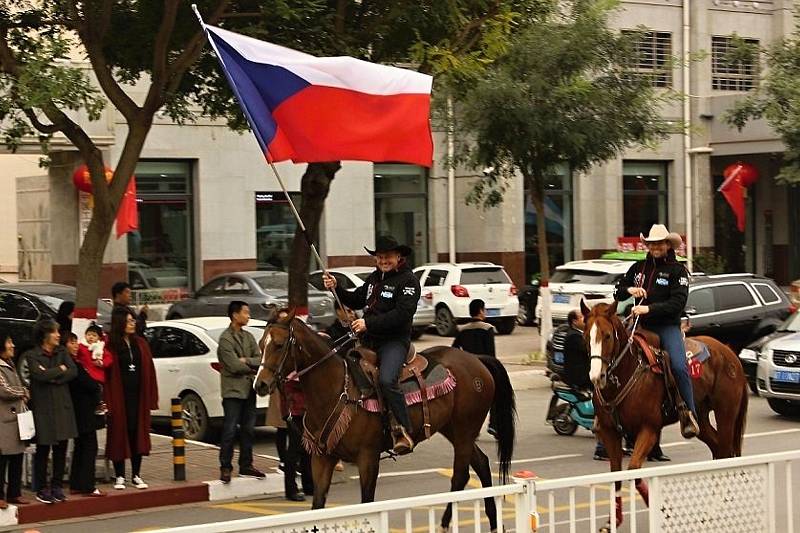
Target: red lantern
(745, 173)
(83, 179)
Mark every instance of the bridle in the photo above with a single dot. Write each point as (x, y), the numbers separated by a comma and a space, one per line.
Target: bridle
(611, 405)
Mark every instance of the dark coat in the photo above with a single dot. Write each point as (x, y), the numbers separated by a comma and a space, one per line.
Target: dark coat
(476, 337)
(667, 284)
(12, 395)
(389, 300)
(84, 392)
(50, 398)
(576, 360)
(117, 446)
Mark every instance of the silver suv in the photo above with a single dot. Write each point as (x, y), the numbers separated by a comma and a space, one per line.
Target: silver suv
(778, 373)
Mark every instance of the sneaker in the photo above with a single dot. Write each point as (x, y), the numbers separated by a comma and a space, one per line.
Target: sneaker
(119, 483)
(96, 493)
(249, 471)
(600, 457)
(58, 494)
(139, 483)
(225, 475)
(44, 496)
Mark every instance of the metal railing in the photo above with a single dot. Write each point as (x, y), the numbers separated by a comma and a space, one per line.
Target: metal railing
(742, 494)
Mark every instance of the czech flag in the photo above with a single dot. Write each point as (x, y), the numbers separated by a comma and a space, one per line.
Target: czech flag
(314, 109)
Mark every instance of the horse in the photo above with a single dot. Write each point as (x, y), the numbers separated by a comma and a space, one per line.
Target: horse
(628, 394)
(358, 436)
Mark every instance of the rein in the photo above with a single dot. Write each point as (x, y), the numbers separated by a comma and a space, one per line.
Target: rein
(637, 373)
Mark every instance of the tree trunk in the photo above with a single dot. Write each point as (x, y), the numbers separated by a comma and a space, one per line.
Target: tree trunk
(536, 188)
(314, 187)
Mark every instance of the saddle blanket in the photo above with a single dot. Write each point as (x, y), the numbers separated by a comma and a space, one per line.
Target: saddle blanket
(697, 350)
(438, 382)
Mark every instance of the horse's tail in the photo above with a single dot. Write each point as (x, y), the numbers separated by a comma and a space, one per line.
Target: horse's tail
(504, 413)
(741, 421)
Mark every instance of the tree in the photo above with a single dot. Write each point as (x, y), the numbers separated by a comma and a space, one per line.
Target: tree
(777, 100)
(561, 96)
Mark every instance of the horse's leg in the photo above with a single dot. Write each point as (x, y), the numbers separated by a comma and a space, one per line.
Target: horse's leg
(727, 417)
(645, 440)
(462, 454)
(322, 470)
(480, 464)
(708, 434)
(368, 474)
(612, 441)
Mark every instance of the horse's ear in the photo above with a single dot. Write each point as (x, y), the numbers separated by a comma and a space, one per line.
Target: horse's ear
(612, 309)
(286, 315)
(585, 309)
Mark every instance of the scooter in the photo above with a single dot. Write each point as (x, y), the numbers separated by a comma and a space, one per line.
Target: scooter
(569, 408)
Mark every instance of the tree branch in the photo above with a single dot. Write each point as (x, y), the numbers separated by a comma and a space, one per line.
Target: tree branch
(159, 76)
(47, 129)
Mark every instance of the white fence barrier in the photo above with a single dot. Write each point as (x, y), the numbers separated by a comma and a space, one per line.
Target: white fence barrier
(743, 494)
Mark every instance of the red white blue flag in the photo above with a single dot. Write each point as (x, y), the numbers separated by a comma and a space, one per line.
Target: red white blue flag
(314, 109)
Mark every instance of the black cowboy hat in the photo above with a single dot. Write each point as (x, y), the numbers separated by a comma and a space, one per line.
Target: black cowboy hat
(389, 244)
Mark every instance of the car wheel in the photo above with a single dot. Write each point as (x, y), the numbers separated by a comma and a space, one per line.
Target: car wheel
(524, 315)
(416, 333)
(445, 323)
(784, 407)
(563, 424)
(196, 425)
(506, 326)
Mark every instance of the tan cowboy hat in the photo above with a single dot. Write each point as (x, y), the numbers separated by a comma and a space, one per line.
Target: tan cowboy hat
(659, 232)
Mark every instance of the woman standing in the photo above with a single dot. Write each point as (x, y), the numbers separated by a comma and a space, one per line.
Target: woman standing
(84, 390)
(131, 392)
(51, 369)
(64, 318)
(12, 401)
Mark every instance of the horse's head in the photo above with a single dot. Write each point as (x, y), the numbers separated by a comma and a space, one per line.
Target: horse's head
(601, 331)
(277, 352)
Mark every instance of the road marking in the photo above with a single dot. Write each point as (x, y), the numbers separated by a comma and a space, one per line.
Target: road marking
(405, 473)
(542, 459)
(747, 436)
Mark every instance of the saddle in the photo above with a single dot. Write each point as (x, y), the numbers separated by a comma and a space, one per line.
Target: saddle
(368, 361)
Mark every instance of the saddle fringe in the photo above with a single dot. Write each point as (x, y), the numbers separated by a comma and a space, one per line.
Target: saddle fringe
(312, 444)
(433, 391)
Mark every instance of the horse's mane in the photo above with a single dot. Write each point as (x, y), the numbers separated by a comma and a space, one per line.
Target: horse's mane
(317, 341)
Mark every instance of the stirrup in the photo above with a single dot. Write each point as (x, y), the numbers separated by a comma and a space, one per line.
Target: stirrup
(689, 426)
(402, 441)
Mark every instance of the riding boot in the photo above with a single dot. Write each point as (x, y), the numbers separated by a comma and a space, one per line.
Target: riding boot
(689, 426)
(402, 443)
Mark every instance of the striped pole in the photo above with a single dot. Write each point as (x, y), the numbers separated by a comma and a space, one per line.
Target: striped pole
(178, 442)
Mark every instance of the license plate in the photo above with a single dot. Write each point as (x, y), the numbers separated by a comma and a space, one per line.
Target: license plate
(492, 312)
(561, 298)
(789, 377)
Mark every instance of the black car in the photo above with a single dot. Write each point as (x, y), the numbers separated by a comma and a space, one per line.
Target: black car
(528, 296)
(736, 309)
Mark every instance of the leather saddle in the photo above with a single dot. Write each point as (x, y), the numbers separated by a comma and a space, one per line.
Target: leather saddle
(368, 360)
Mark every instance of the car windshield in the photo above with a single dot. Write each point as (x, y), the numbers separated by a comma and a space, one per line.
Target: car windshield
(591, 277)
(791, 324)
(277, 281)
(364, 275)
(478, 276)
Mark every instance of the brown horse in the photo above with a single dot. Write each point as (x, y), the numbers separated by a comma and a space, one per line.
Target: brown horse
(481, 383)
(629, 396)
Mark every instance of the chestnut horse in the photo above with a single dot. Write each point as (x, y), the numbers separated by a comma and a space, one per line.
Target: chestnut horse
(636, 408)
(481, 383)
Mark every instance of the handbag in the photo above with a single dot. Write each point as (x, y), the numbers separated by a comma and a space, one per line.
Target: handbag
(27, 429)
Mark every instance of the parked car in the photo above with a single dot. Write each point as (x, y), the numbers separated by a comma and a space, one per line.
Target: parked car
(450, 287)
(778, 371)
(185, 357)
(23, 303)
(528, 297)
(750, 354)
(353, 277)
(591, 280)
(260, 290)
(736, 309)
(142, 276)
(794, 292)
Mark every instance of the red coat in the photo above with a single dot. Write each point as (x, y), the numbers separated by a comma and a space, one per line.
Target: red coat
(293, 401)
(117, 447)
(98, 373)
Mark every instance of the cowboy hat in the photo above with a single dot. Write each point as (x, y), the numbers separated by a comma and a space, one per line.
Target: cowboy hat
(659, 232)
(388, 243)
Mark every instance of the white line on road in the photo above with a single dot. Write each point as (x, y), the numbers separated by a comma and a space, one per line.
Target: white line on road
(542, 459)
(406, 473)
(747, 436)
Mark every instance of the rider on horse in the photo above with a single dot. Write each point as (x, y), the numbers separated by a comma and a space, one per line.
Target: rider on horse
(661, 284)
(389, 298)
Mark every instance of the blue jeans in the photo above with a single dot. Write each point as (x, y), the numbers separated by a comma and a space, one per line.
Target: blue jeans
(391, 356)
(672, 341)
(241, 413)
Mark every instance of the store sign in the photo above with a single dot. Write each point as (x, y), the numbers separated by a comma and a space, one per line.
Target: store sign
(271, 198)
(635, 244)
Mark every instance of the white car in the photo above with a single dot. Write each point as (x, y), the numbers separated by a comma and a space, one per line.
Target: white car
(185, 357)
(778, 372)
(450, 287)
(593, 280)
(352, 277)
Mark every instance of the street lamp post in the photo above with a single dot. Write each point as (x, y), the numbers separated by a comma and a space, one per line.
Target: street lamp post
(691, 170)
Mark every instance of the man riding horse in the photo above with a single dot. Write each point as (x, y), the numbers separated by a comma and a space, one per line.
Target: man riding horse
(660, 286)
(389, 298)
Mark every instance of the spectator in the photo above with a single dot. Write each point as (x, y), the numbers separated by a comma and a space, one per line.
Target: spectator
(13, 397)
(84, 390)
(51, 369)
(477, 336)
(66, 311)
(121, 297)
(297, 459)
(576, 354)
(274, 416)
(239, 355)
(95, 359)
(131, 392)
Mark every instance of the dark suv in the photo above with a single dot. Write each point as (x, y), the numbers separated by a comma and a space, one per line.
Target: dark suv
(19, 311)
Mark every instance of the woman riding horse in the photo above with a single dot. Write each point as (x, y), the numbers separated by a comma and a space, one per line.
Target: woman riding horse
(662, 285)
(389, 298)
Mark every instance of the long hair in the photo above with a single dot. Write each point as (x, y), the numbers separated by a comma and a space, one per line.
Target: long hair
(119, 321)
(63, 319)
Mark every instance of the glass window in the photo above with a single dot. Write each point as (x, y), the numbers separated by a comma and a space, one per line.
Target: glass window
(733, 297)
(734, 64)
(584, 276)
(644, 187)
(273, 281)
(17, 307)
(167, 342)
(275, 227)
(701, 300)
(212, 287)
(482, 276)
(558, 222)
(767, 293)
(160, 252)
(652, 57)
(315, 280)
(364, 275)
(401, 207)
(234, 285)
(436, 278)
(418, 274)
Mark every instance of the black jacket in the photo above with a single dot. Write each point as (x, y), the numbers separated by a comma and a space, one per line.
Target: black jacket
(85, 393)
(576, 360)
(667, 284)
(389, 301)
(476, 337)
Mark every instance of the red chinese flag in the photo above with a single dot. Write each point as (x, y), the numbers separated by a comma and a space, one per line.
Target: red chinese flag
(733, 191)
(127, 215)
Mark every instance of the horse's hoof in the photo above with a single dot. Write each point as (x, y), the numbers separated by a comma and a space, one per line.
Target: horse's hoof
(443, 529)
(605, 529)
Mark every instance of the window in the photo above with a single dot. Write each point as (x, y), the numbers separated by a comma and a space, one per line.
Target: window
(235, 285)
(767, 293)
(701, 300)
(401, 207)
(557, 222)
(160, 252)
(315, 280)
(735, 296)
(17, 307)
(214, 286)
(274, 281)
(275, 227)
(484, 276)
(734, 63)
(644, 195)
(653, 57)
(436, 278)
(167, 342)
(592, 277)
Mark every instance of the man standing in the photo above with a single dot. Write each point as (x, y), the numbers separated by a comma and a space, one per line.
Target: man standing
(476, 336)
(576, 354)
(238, 353)
(121, 297)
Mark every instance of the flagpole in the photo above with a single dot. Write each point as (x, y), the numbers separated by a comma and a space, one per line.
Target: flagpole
(268, 156)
